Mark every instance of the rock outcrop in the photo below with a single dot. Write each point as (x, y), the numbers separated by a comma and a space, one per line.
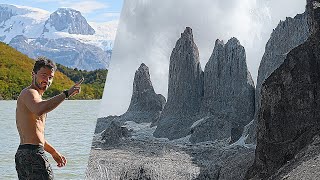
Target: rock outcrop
(103, 123)
(114, 133)
(185, 89)
(145, 105)
(228, 93)
(287, 35)
(290, 104)
(65, 19)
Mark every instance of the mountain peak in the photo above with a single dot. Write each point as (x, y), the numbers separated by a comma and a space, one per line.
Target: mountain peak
(68, 11)
(233, 41)
(219, 42)
(70, 20)
(187, 33)
(143, 66)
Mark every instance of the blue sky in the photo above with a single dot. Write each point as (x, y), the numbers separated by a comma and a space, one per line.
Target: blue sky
(92, 10)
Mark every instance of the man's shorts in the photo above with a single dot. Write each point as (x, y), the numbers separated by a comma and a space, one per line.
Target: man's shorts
(32, 163)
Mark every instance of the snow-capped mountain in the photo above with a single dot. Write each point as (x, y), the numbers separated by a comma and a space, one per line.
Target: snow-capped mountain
(70, 20)
(64, 35)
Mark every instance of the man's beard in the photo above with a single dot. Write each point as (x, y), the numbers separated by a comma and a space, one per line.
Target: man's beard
(39, 85)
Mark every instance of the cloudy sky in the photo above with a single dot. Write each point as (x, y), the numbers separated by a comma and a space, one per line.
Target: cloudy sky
(93, 10)
(148, 31)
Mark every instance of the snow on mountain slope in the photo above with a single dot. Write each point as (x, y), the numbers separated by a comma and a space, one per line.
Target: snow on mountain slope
(25, 21)
(104, 35)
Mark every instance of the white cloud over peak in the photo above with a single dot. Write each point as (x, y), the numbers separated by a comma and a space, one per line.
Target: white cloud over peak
(85, 6)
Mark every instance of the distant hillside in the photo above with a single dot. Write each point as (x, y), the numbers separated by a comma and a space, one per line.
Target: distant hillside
(93, 80)
(15, 74)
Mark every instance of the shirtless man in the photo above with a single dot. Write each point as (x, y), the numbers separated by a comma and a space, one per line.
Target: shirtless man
(31, 113)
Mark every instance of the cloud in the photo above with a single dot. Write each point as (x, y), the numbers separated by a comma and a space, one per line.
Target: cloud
(148, 31)
(58, 1)
(84, 6)
(111, 15)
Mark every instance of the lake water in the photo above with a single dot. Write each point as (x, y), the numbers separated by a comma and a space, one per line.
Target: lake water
(69, 128)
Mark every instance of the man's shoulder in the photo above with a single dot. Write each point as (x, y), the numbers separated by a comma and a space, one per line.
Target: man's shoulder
(28, 92)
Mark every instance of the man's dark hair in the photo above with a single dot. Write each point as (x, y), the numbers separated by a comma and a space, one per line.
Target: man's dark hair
(44, 62)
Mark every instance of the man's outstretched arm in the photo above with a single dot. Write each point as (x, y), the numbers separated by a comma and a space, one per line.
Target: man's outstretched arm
(59, 158)
(36, 105)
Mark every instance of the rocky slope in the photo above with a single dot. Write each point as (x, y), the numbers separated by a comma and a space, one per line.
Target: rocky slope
(289, 116)
(287, 35)
(134, 157)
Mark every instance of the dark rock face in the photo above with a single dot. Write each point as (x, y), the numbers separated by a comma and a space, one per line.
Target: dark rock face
(185, 89)
(145, 105)
(289, 116)
(228, 87)
(286, 36)
(67, 51)
(71, 20)
(304, 165)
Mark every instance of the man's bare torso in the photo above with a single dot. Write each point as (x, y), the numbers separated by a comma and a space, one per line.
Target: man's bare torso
(30, 126)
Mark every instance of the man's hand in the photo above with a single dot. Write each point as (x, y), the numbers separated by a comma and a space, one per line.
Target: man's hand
(75, 89)
(59, 158)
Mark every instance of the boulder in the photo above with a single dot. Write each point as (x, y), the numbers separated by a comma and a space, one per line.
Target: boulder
(114, 133)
